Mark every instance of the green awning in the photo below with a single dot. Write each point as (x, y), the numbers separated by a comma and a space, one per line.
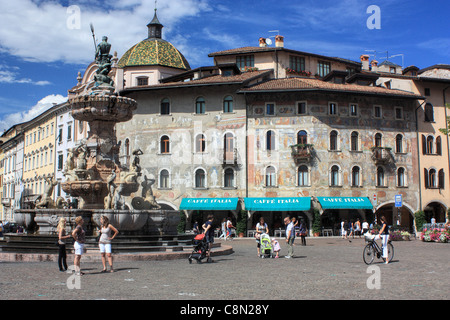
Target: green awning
(278, 204)
(345, 203)
(209, 203)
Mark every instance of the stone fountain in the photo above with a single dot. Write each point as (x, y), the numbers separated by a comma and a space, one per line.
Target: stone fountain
(94, 173)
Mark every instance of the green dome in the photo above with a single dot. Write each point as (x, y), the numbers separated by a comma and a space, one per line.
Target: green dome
(154, 52)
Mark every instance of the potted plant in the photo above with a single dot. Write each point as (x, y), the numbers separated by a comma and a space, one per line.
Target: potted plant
(241, 223)
(317, 224)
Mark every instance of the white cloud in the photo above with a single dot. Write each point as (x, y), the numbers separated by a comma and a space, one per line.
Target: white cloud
(9, 75)
(47, 32)
(19, 117)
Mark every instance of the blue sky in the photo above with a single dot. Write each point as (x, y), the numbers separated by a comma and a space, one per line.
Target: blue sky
(44, 44)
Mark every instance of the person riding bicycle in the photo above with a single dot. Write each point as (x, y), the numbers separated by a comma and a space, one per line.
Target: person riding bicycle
(384, 236)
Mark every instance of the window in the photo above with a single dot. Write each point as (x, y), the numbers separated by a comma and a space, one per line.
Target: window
(354, 141)
(165, 106)
(270, 140)
(429, 113)
(303, 179)
(142, 81)
(60, 134)
(270, 177)
(356, 176)
(392, 70)
(439, 146)
(245, 61)
(332, 108)
(427, 92)
(301, 107)
(297, 63)
(60, 161)
(200, 106)
(165, 144)
(399, 143)
(432, 178)
(228, 141)
(200, 178)
(377, 112)
(398, 113)
(334, 176)
(401, 178)
(323, 68)
(380, 177)
(334, 140)
(270, 109)
(228, 104)
(164, 179)
(353, 110)
(378, 140)
(200, 143)
(302, 137)
(69, 132)
(430, 143)
(229, 178)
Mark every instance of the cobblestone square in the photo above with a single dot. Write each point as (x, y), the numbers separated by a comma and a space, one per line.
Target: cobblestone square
(326, 268)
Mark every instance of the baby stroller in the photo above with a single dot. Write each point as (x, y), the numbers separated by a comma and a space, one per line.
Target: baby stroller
(200, 249)
(266, 250)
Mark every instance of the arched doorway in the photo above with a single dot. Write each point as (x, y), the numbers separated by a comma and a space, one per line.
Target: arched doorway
(398, 217)
(435, 210)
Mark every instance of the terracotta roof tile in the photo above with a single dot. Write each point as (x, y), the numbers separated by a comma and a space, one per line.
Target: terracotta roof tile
(288, 84)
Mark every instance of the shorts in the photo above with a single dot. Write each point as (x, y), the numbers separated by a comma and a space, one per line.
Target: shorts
(105, 247)
(209, 238)
(79, 248)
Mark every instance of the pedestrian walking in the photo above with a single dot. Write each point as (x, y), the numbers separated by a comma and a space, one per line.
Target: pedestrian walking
(343, 229)
(105, 242)
(365, 227)
(195, 227)
(261, 227)
(229, 228)
(79, 236)
(223, 227)
(290, 237)
(303, 231)
(62, 236)
(358, 227)
(208, 230)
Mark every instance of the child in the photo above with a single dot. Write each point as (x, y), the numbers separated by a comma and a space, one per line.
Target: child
(276, 247)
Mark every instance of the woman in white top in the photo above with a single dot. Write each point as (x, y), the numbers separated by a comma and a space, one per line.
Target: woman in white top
(261, 227)
(105, 241)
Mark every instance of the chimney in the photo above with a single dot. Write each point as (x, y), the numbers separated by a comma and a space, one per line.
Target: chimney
(262, 42)
(279, 41)
(374, 64)
(365, 62)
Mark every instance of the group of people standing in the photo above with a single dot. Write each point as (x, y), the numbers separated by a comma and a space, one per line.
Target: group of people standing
(350, 228)
(107, 233)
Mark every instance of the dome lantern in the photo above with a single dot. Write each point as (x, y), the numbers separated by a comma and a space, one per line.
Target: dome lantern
(155, 28)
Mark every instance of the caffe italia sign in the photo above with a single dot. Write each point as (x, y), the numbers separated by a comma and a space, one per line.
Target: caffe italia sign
(345, 203)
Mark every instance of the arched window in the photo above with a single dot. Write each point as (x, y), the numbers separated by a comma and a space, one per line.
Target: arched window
(430, 143)
(432, 178)
(200, 105)
(380, 177)
(354, 141)
(165, 144)
(200, 178)
(399, 143)
(356, 176)
(401, 177)
(164, 179)
(165, 106)
(429, 113)
(270, 140)
(303, 179)
(200, 143)
(228, 147)
(270, 176)
(334, 178)
(378, 140)
(334, 140)
(302, 137)
(228, 104)
(229, 178)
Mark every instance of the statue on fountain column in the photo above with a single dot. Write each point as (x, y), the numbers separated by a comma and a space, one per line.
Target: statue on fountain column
(103, 59)
(46, 200)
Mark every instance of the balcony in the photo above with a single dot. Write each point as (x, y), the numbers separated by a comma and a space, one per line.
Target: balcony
(230, 157)
(302, 152)
(381, 155)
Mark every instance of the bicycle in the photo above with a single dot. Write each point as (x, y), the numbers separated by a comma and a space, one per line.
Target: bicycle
(372, 249)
